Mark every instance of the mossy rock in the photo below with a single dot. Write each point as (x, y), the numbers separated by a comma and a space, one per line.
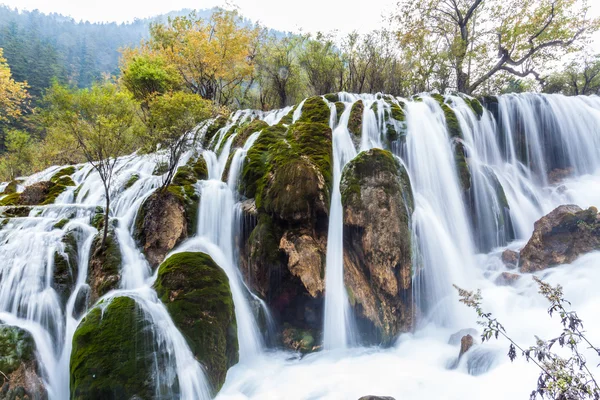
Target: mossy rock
(314, 142)
(355, 121)
(65, 268)
(12, 199)
(11, 187)
(462, 167)
(297, 339)
(475, 106)
(65, 181)
(289, 117)
(397, 111)
(217, 124)
(332, 97)
(230, 132)
(104, 264)
(113, 353)
(160, 168)
(196, 292)
(98, 218)
(132, 179)
(452, 123)
(16, 346)
(65, 172)
(315, 110)
(190, 199)
(246, 130)
(339, 109)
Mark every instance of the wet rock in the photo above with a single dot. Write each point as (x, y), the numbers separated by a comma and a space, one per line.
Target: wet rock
(376, 398)
(560, 237)
(507, 279)
(40, 193)
(160, 225)
(355, 120)
(113, 354)
(66, 268)
(305, 260)
(377, 201)
(301, 340)
(21, 375)
(196, 293)
(466, 342)
(455, 338)
(559, 174)
(510, 258)
(104, 266)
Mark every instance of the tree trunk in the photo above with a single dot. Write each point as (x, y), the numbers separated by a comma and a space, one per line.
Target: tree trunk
(106, 210)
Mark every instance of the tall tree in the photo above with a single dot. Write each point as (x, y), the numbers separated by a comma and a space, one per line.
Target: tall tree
(103, 121)
(485, 37)
(215, 57)
(13, 95)
(322, 63)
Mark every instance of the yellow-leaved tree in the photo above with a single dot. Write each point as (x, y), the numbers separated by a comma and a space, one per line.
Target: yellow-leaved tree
(13, 95)
(215, 58)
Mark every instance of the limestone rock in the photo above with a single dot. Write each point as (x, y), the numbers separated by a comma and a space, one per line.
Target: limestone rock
(161, 224)
(104, 266)
(560, 237)
(377, 243)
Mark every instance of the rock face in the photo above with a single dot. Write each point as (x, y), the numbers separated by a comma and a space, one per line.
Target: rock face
(65, 268)
(287, 178)
(161, 224)
(465, 344)
(20, 378)
(196, 293)
(104, 266)
(560, 237)
(113, 353)
(377, 201)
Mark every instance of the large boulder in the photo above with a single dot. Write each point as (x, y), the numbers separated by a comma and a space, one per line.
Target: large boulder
(160, 225)
(20, 378)
(560, 237)
(104, 265)
(114, 355)
(196, 292)
(377, 202)
(65, 267)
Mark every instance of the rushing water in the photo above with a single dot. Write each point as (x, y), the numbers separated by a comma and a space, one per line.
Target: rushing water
(515, 155)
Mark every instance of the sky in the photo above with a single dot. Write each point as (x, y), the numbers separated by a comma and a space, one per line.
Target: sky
(284, 15)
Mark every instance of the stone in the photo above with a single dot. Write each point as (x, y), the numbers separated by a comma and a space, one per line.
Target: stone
(561, 237)
(507, 279)
(510, 258)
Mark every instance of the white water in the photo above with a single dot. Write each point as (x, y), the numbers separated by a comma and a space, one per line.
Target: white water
(537, 134)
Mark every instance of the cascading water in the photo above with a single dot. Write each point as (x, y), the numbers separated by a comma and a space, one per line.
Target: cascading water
(515, 154)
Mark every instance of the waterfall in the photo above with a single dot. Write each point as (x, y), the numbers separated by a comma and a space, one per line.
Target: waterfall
(526, 154)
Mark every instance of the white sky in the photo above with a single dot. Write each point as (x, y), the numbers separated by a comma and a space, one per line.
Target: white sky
(284, 15)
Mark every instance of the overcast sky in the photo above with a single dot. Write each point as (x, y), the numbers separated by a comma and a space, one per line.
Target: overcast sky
(284, 15)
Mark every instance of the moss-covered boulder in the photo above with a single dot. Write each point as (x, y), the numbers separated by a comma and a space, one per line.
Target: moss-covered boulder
(104, 265)
(560, 237)
(196, 293)
(11, 187)
(211, 131)
(356, 116)
(40, 193)
(113, 354)
(462, 167)
(65, 267)
(246, 130)
(21, 376)
(160, 225)
(315, 109)
(377, 202)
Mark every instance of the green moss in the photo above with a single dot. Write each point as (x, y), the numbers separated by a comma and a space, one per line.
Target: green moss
(219, 123)
(187, 196)
(339, 109)
(76, 192)
(226, 137)
(65, 172)
(315, 110)
(54, 191)
(397, 112)
(362, 166)
(185, 175)
(476, 107)
(65, 268)
(161, 168)
(391, 133)
(132, 179)
(452, 123)
(17, 211)
(332, 97)
(61, 224)
(113, 353)
(196, 292)
(12, 199)
(98, 218)
(265, 237)
(462, 167)
(64, 181)
(314, 141)
(355, 121)
(246, 130)
(200, 168)
(11, 187)
(289, 117)
(16, 346)
(225, 175)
